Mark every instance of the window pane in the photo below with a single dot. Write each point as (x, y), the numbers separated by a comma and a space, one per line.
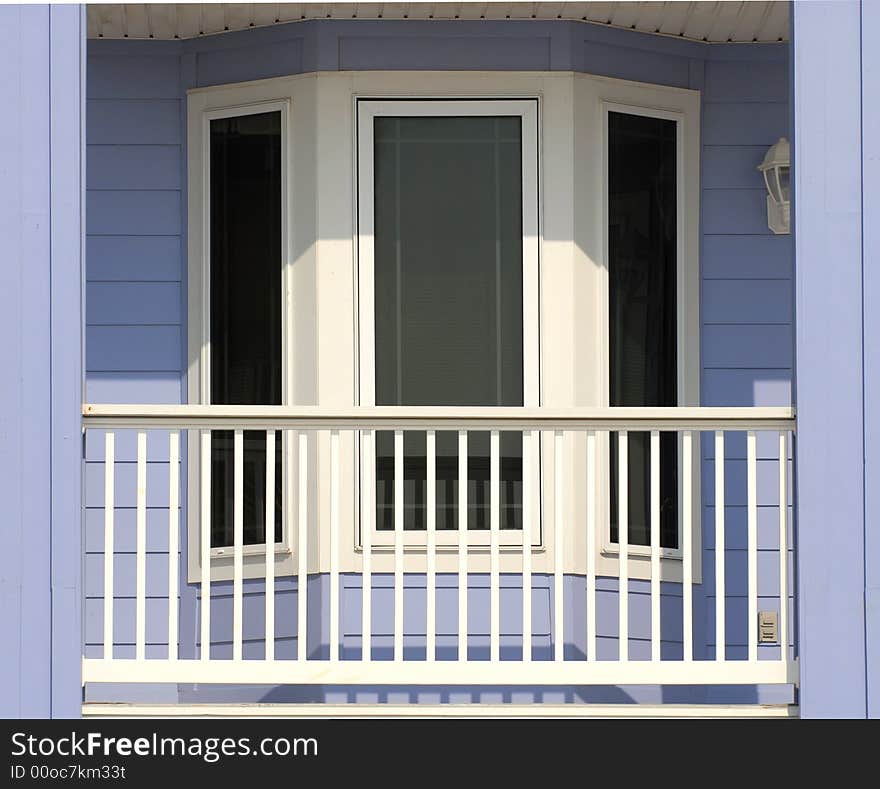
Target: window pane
(245, 283)
(448, 300)
(643, 325)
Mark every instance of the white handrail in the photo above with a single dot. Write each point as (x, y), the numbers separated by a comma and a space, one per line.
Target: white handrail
(266, 417)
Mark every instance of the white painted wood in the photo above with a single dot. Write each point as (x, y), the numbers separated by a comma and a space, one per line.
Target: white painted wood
(592, 494)
(783, 545)
(495, 539)
(720, 551)
(141, 548)
(462, 546)
(265, 417)
(398, 544)
(503, 710)
(237, 542)
(656, 630)
(431, 556)
(173, 539)
(367, 526)
(687, 546)
(528, 439)
(205, 544)
(752, 485)
(334, 545)
(414, 672)
(559, 549)
(302, 547)
(109, 556)
(623, 541)
(269, 545)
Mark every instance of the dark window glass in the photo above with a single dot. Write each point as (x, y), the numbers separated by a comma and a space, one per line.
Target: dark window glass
(245, 286)
(643, 326)
(448, 302)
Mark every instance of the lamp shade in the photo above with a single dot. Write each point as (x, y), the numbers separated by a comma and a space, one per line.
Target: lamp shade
(776, 169)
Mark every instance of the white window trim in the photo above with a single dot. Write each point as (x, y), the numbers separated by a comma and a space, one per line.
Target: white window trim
(681, 106)
(367, 109)
(202, 108)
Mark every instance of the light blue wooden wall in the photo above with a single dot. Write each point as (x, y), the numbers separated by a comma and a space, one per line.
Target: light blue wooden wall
(836, 76)
(42, 62)
(136, 274)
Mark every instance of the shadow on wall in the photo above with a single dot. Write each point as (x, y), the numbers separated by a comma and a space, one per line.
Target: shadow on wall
(502, 694)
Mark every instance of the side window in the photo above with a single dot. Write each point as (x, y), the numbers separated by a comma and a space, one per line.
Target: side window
(245, 303)
(642, 309)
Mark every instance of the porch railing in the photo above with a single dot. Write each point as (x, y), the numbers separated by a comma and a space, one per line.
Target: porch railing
(718, 642)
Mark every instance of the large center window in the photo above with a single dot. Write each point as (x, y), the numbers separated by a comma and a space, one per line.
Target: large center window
(448, 271)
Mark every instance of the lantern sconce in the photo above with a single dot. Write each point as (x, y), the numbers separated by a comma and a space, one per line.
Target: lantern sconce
(776, 169)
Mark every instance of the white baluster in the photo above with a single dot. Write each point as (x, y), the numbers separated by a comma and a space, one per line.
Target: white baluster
(623, 541)
(462, 546)
(687, 566)
(109, 507)
(559, 545)
(398, 545)
(270, 544)
(656, 631)
(591, 545)
(752, 474)
(334, 545)
(367, 539)
(141, 570)
(173, 538)
(494, 547)
(783, 545)
(720, 540)
(237, 543)
(431, 555)
(302, 547)
(205, 544)
(527, 545)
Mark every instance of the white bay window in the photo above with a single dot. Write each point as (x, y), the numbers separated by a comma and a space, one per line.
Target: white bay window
(446, 240)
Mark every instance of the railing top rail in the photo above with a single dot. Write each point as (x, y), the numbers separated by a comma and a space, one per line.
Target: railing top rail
(252, 417)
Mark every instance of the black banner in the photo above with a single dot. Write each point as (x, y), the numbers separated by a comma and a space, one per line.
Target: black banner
(413, 752)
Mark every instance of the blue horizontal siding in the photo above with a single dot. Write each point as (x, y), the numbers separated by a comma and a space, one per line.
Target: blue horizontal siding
(133, 303)
(749, 257)
(144, 77)
(634, 64)
(133, 259)
(131, 386)
(133, 212)
(744, 123)
(744, 386)
(736, 211)
(133, 121)
(525, 52)
(746, 345)
(725, 83)
(153, 349)
(745, 302)
(133, 167)
(246, 63)
(733, 166)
